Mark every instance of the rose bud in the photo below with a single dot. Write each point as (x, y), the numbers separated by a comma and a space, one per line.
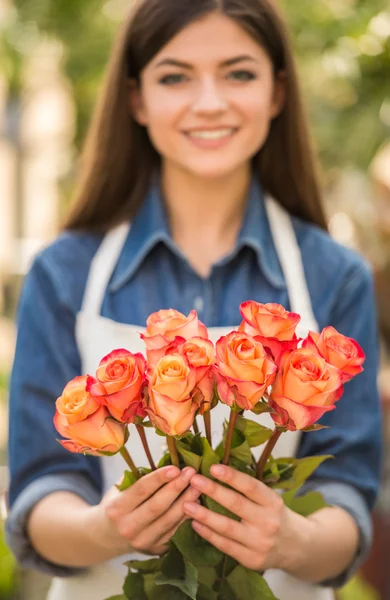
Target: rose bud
(119, 383)
(244, 370)
(272, 325)
(98, 433)
(171, 405)
(162, 329)
(338, 350)
(305, 388)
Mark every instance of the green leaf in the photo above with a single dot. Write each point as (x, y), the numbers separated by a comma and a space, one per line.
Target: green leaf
(129, 479)
(118, 597)
(205, 593)
(316, 427)
(207, 576)
(255, 434)
(209, 459)
(190, 459)
(188, 583)
(261, 407)
(240, 447)
(152, 565)
(307, 504)
(197, 444)
(134, 587)
(304, 467)
(247, 584)
(165, 461)
(194, 548)
(225, 592)
(218, 508)
(167, 592)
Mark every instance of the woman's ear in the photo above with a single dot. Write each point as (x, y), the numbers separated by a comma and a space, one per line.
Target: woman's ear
(279, 96)
(136, 103)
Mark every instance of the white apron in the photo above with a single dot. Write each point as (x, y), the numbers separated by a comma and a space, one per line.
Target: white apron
(97, 336)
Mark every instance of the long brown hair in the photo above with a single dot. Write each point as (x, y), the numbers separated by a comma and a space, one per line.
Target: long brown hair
(119, 159)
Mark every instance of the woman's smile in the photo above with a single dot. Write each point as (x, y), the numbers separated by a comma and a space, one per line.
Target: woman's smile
(211, 139)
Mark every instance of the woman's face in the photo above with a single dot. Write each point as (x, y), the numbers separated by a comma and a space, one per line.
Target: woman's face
(208, 98)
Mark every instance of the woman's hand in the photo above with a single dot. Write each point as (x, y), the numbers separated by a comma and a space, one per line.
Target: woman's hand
(144, 517)
(262, 538)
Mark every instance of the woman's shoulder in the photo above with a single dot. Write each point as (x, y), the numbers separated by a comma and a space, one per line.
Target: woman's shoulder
(63, 265)
(325, 253)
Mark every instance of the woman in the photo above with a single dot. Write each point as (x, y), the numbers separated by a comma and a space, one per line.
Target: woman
(200, 143)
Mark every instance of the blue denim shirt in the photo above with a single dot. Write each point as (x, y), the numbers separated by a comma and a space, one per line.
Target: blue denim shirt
(152, 273)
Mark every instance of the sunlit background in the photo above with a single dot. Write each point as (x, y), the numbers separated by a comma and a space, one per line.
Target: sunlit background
(52, 56)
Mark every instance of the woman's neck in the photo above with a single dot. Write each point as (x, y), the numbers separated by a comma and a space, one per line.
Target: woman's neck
(205, 215)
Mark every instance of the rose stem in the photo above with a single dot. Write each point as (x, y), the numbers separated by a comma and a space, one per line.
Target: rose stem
(229, 435)
(207, 426)
(267, 453)
(173, 450)
(196, 428)
(142, 435)
(126, 456)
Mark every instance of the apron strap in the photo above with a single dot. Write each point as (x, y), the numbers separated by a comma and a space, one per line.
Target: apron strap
(291, 262)
(102, 268)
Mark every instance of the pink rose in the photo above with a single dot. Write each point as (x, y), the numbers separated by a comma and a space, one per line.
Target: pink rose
(119, 383)
(171, 404)
(338, 350)
(272, 325)
(244, 370)
(305, 388)
(97, 432)
(164, 327)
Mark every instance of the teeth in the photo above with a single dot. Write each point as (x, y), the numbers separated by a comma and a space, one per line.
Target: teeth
(211, 135)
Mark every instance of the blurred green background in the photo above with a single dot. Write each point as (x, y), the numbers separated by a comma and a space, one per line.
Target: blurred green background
(52, 57)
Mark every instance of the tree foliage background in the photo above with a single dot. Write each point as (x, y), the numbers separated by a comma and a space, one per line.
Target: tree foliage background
(343, 50)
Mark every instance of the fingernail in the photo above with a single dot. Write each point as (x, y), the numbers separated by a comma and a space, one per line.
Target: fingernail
(199, 482)
(192, 509)
(218, 471)
(187, 474)
(172, 472)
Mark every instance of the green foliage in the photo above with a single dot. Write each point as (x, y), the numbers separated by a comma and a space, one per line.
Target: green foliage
(129, 479)
(8, 574)
(249, 584)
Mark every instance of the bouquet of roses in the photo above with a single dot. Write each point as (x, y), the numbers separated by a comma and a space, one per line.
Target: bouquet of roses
(263, 367)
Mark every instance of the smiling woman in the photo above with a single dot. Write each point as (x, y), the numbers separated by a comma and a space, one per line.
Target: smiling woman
(198, 188)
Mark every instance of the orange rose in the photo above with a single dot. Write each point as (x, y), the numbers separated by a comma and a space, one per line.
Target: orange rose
(200, 354)
(171, 405)
(162, 329)
(272, 325)
(338, 350)
(244, 370)
(306, 387)
(76, 404)
(96, 434)
(119, 383)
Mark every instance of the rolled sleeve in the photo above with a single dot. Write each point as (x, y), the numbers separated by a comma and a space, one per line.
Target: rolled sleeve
(348, 498)
(16, 524)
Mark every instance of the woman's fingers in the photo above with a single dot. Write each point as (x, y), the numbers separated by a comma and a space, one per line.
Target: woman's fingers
(157, 505)
(233, 501)
(146, 487)
(162, 529)
(250, 487)
(220, 524)
(225, 545)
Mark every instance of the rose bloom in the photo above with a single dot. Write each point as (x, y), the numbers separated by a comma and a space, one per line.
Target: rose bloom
(305, 388)
(200, 354)
(76, 404)
(95, 434)
(244, 370)
(338, 350)
(119, 383)
(164, 326)
(272, 325)
(171, 404)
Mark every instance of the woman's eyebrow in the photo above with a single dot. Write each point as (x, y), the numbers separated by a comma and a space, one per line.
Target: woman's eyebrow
(173, 62)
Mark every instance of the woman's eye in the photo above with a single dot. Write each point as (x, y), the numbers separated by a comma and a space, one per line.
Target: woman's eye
(172, 79)
(242, 75)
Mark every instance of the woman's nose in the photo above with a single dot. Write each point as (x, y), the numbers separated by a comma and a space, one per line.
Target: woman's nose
(209, 99)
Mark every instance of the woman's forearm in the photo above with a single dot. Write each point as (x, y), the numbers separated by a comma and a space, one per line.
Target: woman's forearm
(66, 531)
(321, 546)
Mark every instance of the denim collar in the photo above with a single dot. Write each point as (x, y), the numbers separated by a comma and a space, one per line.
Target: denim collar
(150, 227)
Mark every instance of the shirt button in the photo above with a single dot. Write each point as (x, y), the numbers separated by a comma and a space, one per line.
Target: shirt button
(198, 304)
